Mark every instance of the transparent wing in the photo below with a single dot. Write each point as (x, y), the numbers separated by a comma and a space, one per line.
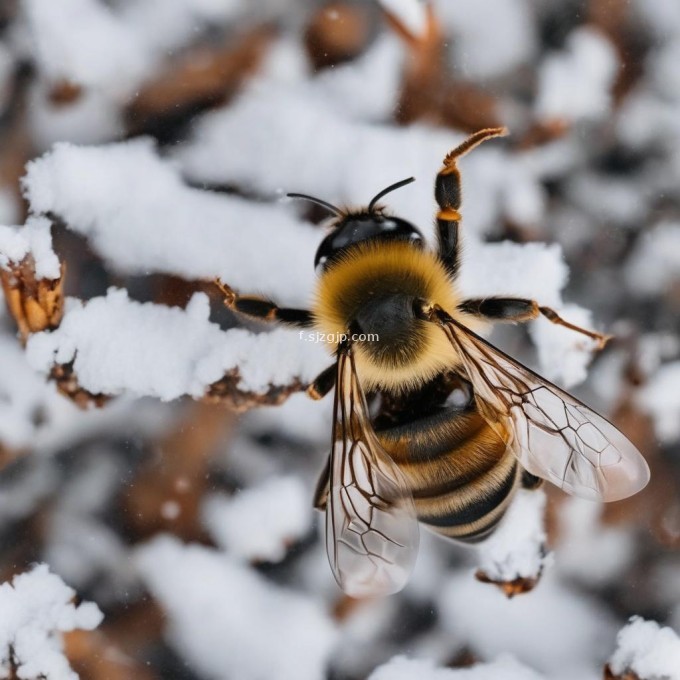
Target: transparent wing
(371, 526)
(555, 436)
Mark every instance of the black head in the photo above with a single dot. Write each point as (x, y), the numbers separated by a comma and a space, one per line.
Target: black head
(364, 225)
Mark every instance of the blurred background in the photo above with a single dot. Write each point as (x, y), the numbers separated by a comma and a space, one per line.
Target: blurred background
(189, 521)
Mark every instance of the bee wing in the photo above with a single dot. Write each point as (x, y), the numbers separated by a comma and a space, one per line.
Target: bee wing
(371, 525)
(554, 435)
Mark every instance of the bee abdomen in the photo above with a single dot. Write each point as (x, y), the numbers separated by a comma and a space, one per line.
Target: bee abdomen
(473, 512)
(459, 470)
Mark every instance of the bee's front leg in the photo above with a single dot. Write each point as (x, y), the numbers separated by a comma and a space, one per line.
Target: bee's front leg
(447, 191)
(263, 309)
(520, 310)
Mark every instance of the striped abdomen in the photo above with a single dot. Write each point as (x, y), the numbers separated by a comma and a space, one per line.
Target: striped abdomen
(460, 471)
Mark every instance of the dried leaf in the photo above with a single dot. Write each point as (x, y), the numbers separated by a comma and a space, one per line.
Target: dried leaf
(36, 304)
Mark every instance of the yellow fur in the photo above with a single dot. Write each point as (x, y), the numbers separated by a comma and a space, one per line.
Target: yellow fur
(398, 266)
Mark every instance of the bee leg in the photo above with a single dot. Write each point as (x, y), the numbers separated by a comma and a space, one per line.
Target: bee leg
(554, 317)
(530, 482)
(323, 383)
(447, 191)
(322, 486)
(263, 309)
(519, 310)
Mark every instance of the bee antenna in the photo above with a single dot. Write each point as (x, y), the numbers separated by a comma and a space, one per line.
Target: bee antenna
(392, 187)
(318, 201)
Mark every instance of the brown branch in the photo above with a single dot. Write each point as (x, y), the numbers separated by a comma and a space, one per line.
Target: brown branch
(198, 79)
(67, 385)
(167, 494)
(95, 656)
(628, 675)
(431, 91)
(517, 586)
(226, 392)
(338, 32)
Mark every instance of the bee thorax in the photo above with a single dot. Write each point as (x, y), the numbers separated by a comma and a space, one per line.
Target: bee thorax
(388, 319)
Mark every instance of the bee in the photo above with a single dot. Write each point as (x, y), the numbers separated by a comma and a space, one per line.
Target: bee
(455, 425)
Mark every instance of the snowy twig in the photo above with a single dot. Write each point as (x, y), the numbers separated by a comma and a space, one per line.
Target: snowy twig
(34, 610)
(513, 558)
(112, 345)
(401, 668)
(645, 651)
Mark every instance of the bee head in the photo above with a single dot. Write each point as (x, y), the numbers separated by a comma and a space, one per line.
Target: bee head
(364, 225)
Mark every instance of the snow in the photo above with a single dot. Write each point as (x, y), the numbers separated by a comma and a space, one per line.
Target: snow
(551, 629)
(368, 88)
(574, 85)
(34, 239)
(286, 62)
(524, 199)
(647, 649)
(34, 609)
(22, 395)
(9, 208)
(212, 617)
(116, 48)
(79, 545)
(661, 399)
(535, 271)
(106, 55)
(164, 25)
(341, 160)
(91, 119)
(531, 270)
(140, 217)
(645, 119)
(19, 495)
(121, 346)
(402, 668)
(260, 522)
(517, 548)
(504, 24)
(564, 354)
(661, 15)
(587, 550)
(299, 418)
(411, 14)
(607, 199)
(655, 263)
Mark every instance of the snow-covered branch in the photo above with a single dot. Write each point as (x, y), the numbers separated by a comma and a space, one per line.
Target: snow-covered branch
(34, 610)
(113, 345)
(647, 650)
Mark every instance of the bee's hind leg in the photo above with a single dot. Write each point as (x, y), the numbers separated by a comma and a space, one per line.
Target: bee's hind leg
(520, 310)
(322, 486)
(263, 309)
(447, 191)
(530, 482)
